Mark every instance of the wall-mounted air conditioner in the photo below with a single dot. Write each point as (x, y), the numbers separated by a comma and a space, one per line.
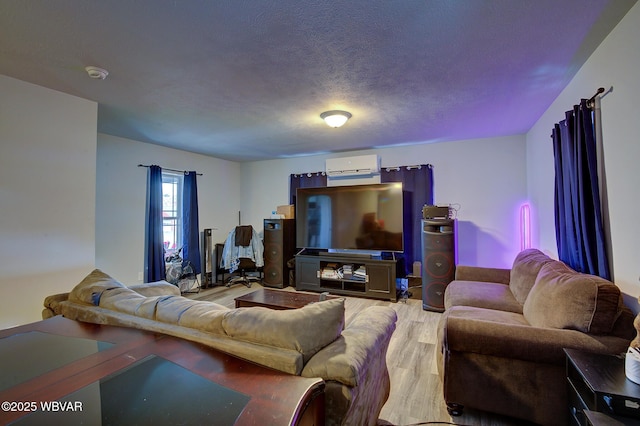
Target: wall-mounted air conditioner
(361, 165)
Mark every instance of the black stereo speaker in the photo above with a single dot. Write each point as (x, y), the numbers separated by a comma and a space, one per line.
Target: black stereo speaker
(207, 262)
(438, 261)
(279, 247)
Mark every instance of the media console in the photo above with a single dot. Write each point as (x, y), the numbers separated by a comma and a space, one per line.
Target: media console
(349, 275)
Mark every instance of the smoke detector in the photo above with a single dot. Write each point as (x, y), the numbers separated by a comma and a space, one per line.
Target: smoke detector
(97, 73)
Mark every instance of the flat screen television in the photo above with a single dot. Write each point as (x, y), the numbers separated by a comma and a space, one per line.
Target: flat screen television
(359, 218)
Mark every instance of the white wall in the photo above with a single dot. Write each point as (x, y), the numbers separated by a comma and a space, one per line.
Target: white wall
(614, 65)
(47, 188)
(121, 199)
(485, 177)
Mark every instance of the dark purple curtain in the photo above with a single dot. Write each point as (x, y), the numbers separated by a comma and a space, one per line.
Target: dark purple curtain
(579, 230)
(305, 180)
(190, 225)
(154, 241)
(417, 184)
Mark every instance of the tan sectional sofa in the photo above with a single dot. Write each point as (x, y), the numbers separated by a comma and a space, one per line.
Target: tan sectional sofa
(502, 335)
(311, 341)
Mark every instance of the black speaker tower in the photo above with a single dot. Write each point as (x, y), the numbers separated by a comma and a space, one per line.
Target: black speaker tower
(279, 247)
(438, 261)
(207, 262)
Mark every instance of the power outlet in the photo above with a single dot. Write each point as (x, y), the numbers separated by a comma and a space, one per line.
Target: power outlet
(140, 278)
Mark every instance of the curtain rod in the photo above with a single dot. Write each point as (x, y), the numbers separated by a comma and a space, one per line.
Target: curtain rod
(171, 170)
(308, 174)
(591, 101)
(417, 166)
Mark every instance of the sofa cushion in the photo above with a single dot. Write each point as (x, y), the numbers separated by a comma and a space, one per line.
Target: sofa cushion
(481, 295)
(524, 271)
(156, 288)
(306, 330)
(205, 316)
(564, 298)
(90, 289)
(149, 306)
(121, 299)
(471, 314)
(507, 336)
(171, 308)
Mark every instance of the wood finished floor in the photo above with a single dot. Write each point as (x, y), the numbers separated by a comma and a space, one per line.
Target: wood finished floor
(416, 391)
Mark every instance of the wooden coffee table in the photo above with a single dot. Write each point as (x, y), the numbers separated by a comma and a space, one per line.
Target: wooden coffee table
(278, 299)
(90, 367)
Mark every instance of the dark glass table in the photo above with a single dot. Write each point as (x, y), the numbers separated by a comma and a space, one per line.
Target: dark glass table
(67, 372)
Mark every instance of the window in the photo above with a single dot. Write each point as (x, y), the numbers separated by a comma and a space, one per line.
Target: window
(172, 210)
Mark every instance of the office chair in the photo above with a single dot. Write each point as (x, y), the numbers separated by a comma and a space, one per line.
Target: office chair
(243, 252)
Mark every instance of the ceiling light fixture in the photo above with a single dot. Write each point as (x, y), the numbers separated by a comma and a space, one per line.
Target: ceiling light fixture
(97, 73)
(335, 118)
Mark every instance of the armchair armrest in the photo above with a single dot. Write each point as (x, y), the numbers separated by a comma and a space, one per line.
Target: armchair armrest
(52, 305)
(522, 341)
(354, 367)
(361, 346)
(476, 273)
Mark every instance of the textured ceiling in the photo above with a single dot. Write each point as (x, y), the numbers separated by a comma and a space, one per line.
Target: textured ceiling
(247, 79)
